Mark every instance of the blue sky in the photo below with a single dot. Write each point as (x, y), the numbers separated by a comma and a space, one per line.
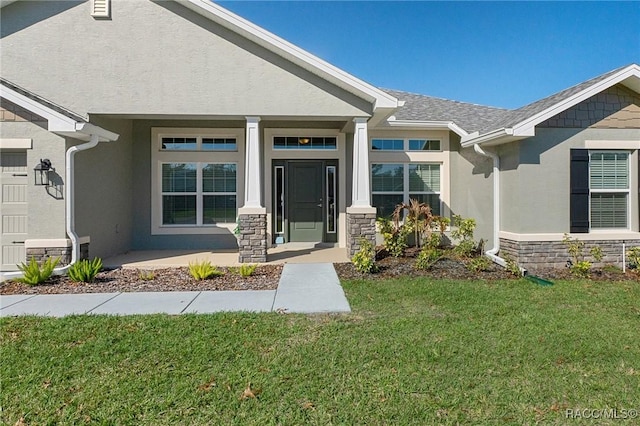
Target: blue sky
(504, 54)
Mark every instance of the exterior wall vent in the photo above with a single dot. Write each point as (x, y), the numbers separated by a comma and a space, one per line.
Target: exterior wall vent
(101, 8)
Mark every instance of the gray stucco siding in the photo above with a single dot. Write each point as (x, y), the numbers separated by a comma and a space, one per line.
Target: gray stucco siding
(156, 58)
(46, 218)
(103, 195)
(472, 188)
(535, 178)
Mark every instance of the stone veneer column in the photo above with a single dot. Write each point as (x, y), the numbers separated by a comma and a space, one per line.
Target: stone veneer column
(361, 217)
(361, 224)
(252, 217)
(252, 240)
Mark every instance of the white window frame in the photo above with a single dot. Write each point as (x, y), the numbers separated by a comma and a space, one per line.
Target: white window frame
(626, 191)
(405, 181)
(160, 156)
(405, 144)
(199, 194)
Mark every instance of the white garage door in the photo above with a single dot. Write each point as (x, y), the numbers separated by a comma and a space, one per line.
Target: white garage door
(13, 205)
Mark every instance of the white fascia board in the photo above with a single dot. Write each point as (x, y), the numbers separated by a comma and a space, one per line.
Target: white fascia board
(526, 127)
(56, 122)
(291, 52)
(417, 124)
(91, 129)
(491, 137)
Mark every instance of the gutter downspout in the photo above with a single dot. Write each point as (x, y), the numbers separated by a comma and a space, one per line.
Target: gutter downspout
(70, 200)
(69, 206)
(492, 254)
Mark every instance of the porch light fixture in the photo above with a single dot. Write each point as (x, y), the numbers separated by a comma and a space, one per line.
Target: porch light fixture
(42, 171)
(303, 141)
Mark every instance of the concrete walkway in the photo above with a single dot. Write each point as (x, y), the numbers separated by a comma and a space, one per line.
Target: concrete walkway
(303, 288)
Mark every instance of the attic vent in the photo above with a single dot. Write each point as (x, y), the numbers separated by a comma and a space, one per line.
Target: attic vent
(101, 8)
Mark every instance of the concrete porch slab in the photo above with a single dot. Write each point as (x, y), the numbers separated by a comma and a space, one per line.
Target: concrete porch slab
(236, 301)
(285, 253)
(171, 302)
(57, 305)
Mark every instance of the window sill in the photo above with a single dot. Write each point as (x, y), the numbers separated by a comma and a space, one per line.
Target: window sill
(219, 229)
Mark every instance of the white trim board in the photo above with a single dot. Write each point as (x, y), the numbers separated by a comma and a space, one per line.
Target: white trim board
(12, 143)
(593, 235)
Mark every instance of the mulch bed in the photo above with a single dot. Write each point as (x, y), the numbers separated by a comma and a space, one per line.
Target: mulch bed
(451, 268)
(265, 277)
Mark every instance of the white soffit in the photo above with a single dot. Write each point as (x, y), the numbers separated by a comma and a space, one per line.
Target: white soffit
(291, 52)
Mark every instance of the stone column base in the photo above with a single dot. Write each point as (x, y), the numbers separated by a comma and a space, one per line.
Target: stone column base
(361, 223)
(252, 240)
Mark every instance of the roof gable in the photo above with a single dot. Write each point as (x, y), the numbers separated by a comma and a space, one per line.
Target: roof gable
(520, 123)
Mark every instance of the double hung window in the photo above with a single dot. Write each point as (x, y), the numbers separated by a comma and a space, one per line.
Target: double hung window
(395, 183)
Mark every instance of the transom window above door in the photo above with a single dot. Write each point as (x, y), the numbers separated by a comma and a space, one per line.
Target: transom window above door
(305, 142)
(198, 143)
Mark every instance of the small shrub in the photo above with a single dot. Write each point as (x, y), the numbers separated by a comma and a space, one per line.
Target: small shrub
(577, 264)
(84, 270)
(395, 236)
(581, 268)
(596, 253)
(365, 259)
(433, 241)
(34, 274)
(203, 270)
(465, 248)
(512, 267)
(463, 232)
(428, 257)
(245, 270)
(146, 275)
(633, 254)
(479, 264)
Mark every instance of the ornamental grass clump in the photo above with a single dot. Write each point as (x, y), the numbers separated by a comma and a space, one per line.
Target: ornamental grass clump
(34, 274)
(203, 270)
(245, 270)
(85, 271)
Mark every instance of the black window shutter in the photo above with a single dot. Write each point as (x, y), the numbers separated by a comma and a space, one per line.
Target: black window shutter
(579, 201)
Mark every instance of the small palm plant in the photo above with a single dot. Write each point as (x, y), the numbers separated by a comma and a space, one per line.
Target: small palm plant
(419, 217)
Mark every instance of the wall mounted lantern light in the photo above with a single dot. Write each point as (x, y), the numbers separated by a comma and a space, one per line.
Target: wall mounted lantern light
(42, 171)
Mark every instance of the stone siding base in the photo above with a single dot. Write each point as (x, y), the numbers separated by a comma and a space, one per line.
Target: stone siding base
(40, 254)
(554, 254)
(252, 241)
(359, 226)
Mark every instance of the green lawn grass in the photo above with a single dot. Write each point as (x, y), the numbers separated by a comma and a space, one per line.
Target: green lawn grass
(412, 352)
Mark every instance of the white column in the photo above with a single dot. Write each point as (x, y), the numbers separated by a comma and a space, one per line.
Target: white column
(361, 189)
(252, 169)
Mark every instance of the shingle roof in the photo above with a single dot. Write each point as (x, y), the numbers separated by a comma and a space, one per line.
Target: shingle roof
(484, 119)
(470, 117)
(42, 101)
(511, 118)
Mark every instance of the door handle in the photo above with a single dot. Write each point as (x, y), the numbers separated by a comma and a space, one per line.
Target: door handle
(319, 205)
(17, 242)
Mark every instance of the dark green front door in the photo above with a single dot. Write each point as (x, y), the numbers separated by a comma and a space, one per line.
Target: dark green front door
(305, 210)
